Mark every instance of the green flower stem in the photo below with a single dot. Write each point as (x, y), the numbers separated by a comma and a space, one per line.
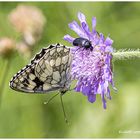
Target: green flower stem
(5, 73)
(126, 54)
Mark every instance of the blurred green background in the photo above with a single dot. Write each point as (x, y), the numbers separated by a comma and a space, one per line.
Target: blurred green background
(26, 116)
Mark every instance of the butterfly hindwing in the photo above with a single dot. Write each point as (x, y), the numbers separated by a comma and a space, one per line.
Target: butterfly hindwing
(48, 71)
(23, 80)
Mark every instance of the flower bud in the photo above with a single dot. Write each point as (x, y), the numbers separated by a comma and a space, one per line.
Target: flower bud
(7, 46)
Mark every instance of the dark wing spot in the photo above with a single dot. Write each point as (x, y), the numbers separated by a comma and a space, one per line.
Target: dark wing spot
(51, 46)
(25, 81)
(38, 83)
(39, 55)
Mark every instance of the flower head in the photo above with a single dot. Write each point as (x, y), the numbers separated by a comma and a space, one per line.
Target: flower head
(29, 21)
(92, 68)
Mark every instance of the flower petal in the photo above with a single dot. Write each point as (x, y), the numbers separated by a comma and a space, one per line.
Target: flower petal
(108, 93)
(86, 90)
(92, 98)
(75, 27)
(86, 30)
(93, 24)
(84, 24)
(81, 17)
(108, 41)
(101, 38)
(103, 101)
(68, 38)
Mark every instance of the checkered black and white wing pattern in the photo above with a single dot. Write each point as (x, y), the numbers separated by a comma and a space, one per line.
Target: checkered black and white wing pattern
(48, 71)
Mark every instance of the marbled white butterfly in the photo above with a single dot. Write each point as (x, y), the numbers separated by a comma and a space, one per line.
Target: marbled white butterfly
(48, 71)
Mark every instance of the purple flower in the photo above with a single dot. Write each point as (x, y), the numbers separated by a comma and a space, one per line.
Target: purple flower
(92, 68)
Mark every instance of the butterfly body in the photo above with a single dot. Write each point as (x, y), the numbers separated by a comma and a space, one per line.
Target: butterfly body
(49, 71)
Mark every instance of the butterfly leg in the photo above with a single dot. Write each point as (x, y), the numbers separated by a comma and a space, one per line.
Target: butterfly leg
(65, 117)
(51, 98)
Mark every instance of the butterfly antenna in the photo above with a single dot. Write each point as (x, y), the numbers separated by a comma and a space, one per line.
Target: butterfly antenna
(51, 98)
(66, 120)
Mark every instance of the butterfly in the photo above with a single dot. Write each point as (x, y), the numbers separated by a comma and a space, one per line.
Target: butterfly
(48, 71)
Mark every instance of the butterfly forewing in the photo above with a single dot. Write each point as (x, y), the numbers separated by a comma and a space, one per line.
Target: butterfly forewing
(49, 70)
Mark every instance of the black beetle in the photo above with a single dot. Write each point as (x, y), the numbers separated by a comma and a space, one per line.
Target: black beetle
(82, 42)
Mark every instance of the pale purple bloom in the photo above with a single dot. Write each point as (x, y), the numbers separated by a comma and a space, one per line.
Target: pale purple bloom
(92, 69)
